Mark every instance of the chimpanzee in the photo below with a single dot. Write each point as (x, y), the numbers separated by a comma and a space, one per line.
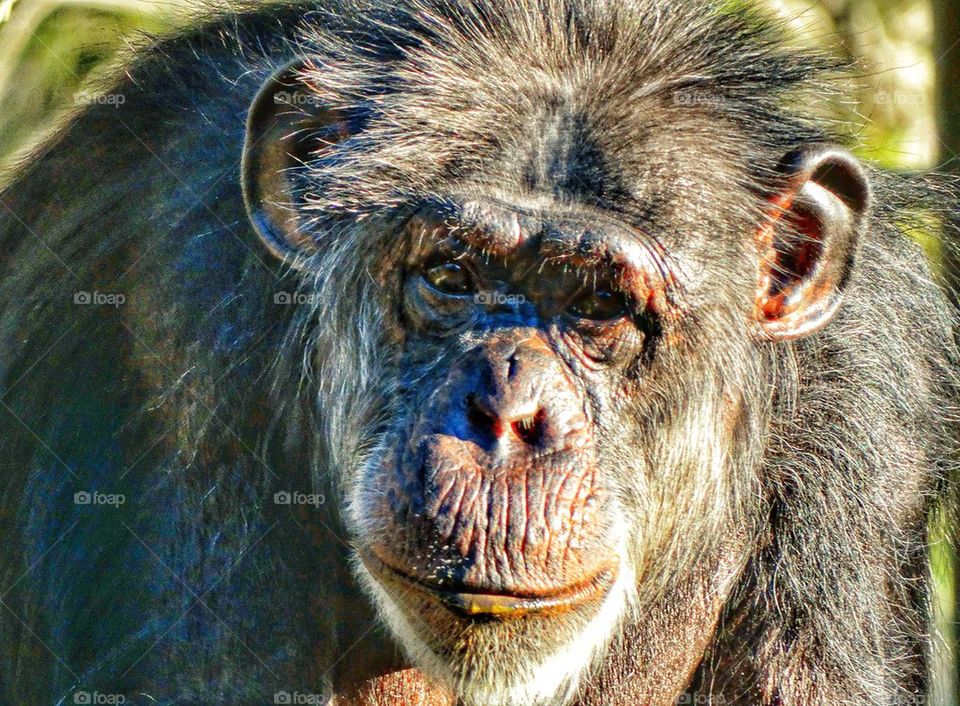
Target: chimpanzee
(477, 352)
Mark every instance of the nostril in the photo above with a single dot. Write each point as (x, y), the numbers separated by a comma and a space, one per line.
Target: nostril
(480, 419)
(487, 424)
(529, 429)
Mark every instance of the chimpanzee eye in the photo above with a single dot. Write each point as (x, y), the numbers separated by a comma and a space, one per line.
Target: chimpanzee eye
(600, 305)
(449, 277)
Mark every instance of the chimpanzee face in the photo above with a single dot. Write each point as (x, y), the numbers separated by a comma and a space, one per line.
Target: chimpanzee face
(488, 514)
(560, 387)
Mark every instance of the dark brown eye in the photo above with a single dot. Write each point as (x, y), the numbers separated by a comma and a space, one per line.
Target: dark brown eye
(601, 305)
(449, 277)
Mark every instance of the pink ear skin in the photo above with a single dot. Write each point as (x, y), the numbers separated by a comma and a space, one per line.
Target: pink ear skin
(809, 242)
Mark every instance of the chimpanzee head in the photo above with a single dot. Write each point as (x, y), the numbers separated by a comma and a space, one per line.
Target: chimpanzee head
(556, 259)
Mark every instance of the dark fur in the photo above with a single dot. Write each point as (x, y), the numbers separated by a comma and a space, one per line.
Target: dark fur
(195, 399)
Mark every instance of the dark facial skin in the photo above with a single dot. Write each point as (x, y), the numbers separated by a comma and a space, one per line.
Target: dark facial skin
(495, 502)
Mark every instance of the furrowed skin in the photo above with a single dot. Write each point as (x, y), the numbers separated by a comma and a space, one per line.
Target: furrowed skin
(781, 560)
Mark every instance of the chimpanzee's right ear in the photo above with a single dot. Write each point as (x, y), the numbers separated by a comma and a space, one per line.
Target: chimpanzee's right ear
(286, 128)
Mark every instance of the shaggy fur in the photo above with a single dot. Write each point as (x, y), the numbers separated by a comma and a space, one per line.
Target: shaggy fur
(810, 468)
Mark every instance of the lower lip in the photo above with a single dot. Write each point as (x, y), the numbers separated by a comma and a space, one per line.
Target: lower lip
(496, 605)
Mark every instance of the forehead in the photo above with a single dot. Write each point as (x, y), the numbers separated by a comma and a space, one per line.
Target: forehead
(573, 175)
(592, 102)
(500, 229)
(604, 151)
(562, 149)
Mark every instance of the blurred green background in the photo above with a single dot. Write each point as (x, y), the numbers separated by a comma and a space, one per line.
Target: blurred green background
(903, 106)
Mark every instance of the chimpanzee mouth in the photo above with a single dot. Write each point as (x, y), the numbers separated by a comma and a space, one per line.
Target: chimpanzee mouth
(477, 602)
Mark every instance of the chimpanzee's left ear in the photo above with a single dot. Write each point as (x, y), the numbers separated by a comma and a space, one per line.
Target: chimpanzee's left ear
(286, 127)
(809, 242)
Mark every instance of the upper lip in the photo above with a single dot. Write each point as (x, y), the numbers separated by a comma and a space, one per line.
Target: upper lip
(483, 602)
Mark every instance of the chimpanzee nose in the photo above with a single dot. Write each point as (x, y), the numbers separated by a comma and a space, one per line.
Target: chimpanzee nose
(520, 418)
(518, 394)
